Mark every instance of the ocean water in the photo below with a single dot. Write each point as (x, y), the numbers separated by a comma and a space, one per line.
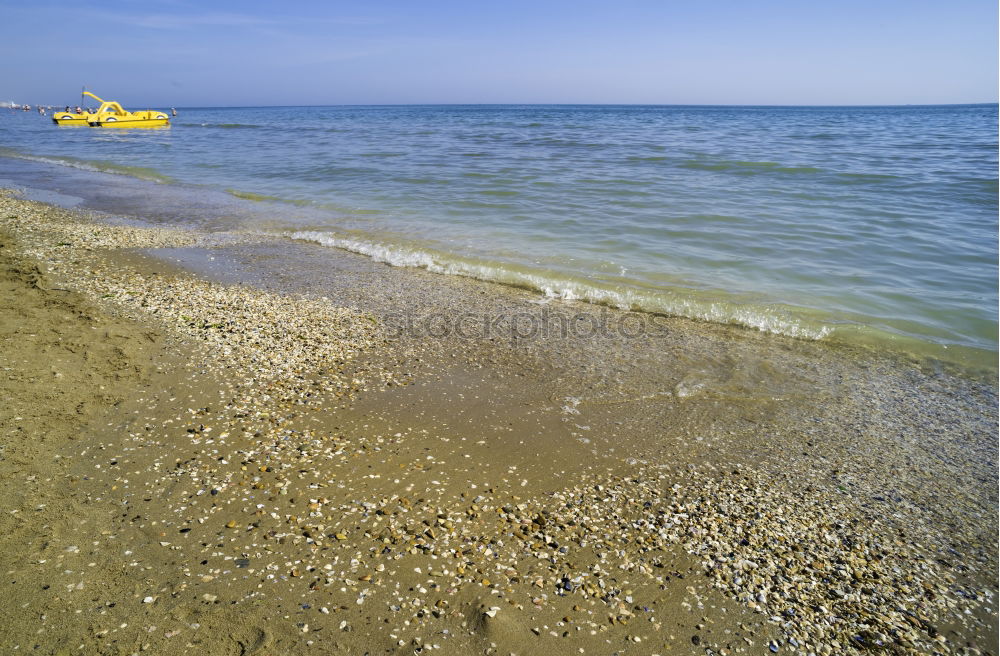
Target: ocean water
(873, 224)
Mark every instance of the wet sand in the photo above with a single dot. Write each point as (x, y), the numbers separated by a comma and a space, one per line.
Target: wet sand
(209, 452)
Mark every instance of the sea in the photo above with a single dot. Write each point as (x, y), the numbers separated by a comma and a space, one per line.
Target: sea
(874, 225)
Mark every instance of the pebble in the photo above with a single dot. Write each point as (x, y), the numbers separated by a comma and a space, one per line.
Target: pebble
(824, 572)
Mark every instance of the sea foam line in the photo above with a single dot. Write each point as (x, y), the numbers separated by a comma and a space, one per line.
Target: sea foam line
(139, 172)
(665, 302)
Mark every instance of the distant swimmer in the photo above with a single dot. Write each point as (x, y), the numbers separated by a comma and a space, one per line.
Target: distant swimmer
(173, 112)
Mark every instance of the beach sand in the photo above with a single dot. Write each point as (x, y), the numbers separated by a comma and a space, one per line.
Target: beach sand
(205, 452)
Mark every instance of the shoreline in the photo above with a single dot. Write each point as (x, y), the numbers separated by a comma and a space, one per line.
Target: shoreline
(176, 205)
(411, 486)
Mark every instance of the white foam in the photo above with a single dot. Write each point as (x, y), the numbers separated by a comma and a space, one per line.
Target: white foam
(93, 167)
(668, 303)
(571, 405)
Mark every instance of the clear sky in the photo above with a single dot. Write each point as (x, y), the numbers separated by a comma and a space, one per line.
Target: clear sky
(218, 53)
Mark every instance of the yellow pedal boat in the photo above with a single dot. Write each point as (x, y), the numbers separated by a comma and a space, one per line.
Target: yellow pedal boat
(69, 118)
(111, 115)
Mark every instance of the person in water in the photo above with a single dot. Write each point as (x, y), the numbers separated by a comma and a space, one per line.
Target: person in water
(173, 112)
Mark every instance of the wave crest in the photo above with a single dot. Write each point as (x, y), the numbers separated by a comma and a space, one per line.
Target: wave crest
(553, 286)
(97, 166)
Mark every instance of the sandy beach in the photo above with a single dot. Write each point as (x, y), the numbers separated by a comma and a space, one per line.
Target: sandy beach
(204, 452)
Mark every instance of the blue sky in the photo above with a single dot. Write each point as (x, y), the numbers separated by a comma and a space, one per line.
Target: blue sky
(182, 53)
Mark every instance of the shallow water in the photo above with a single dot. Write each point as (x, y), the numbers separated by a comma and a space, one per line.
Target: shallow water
(872, 223)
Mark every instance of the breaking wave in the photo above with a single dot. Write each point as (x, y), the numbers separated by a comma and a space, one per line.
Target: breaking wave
(768, 319)
(139, 172)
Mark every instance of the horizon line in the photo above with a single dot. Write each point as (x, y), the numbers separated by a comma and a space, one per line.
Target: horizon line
(571, 104)
(561, 104)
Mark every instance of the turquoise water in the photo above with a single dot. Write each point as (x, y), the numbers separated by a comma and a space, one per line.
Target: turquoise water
(854, 223)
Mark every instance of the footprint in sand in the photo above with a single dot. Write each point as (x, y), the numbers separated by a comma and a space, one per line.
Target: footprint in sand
(253, 642)
(496, 626)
